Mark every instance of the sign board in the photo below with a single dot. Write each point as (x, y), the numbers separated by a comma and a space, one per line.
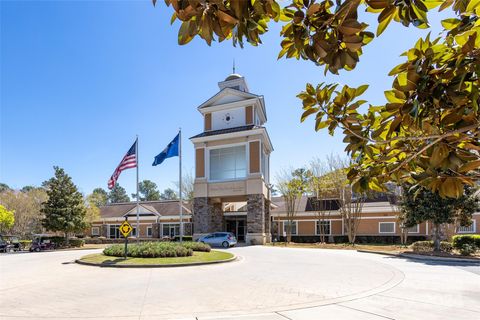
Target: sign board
(126, 228)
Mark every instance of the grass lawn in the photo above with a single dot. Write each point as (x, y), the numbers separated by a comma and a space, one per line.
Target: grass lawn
(211, 256)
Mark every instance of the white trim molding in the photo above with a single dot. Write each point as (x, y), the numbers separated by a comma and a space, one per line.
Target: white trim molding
(470, 229)
(380, 229)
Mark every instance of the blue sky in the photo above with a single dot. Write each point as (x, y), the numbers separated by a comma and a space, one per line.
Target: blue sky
(79, 79)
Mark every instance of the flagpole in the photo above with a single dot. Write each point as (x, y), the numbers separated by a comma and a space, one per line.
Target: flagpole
(138, 209)
(180, 179)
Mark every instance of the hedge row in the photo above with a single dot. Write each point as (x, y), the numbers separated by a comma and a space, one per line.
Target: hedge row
(459, 241)
(61, 242)
(467, 244)
(156, 249)
(427, 246)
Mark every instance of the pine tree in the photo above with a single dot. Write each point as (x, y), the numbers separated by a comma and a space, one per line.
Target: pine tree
(64, 210)
(118, 194)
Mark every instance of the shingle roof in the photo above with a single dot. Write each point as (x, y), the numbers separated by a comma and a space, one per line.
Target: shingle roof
(168, 207)
(224, 131)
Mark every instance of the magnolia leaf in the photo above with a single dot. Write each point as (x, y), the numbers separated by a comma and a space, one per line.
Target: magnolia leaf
(440, 153)
(472, 5)
(308, 113)
(449, 24)
(469, 166)
(451, 188)
(383, 25)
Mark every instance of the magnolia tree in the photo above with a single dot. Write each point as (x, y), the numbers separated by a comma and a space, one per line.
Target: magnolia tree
(420, 205)
(426, 132)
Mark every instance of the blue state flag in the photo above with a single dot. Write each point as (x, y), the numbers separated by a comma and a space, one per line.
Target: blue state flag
(170, 151)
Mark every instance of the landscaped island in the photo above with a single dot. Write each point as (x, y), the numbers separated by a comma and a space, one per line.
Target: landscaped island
(157, 254)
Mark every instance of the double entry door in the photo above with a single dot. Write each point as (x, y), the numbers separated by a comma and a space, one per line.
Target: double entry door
(237, 226)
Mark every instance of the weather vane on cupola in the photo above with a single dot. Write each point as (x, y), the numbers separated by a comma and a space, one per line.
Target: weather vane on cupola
(233, 66)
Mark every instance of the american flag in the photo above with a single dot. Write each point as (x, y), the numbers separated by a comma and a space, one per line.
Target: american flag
(128, 161)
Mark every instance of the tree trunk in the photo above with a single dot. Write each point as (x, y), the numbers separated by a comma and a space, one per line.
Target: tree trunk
(436, 238)
(67, 240)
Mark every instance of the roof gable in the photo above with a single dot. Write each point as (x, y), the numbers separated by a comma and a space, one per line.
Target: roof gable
(144, 210)
(227, 95)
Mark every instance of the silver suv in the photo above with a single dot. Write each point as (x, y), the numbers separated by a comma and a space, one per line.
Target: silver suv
(224, 239)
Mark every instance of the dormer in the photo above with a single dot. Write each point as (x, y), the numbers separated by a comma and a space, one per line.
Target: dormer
(233, 106)
(234, 81)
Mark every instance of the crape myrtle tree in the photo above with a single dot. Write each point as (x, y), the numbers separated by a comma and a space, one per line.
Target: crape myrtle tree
(420, 204)
(426, 133)
(350, 203)
(64, 210)
(322, 190)
(187, 186)
(291, 185)
(26, 207)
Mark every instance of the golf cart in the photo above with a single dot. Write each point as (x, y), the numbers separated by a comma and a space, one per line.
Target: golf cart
(9, 243)
(42, 242)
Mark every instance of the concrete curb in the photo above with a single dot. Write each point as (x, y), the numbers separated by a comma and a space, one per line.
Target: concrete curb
(173, 265)
(422, 257)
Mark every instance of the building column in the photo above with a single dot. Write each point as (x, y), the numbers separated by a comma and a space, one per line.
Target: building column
(104, 231)
(256, 219)
(156, 233)
(268, 222)
(208, 216)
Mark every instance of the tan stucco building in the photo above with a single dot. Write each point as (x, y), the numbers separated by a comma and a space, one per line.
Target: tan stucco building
(232, 164)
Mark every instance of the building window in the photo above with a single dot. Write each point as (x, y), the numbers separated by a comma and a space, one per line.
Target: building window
(469, 229)
(414, 229)
(323, 227)
(386, 227)
(95, 231)
(293, 228)
(228, 163)
(113, 231)
(149, 232)
(170, 229)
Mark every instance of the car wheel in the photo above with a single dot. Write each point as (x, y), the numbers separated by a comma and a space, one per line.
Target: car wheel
(37, 249)
(225, 244)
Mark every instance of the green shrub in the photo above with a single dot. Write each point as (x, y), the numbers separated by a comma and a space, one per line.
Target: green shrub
(467, 249)
(61, 242)
(427, 246)
(197, 246)
(76, 243)
(459, 241)
(150, 250)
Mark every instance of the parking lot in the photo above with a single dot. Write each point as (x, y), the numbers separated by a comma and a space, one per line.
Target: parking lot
(265, 283)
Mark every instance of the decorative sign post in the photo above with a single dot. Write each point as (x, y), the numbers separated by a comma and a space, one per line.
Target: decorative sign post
(126, 229)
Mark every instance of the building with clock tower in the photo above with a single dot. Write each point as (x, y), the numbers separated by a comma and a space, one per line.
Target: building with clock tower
(232, 165)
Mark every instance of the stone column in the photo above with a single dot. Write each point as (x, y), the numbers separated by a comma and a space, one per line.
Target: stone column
(208, 216)
(255, 219)
(268, 231)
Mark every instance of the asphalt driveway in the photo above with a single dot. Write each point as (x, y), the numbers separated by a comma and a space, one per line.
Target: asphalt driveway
(266, 283)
